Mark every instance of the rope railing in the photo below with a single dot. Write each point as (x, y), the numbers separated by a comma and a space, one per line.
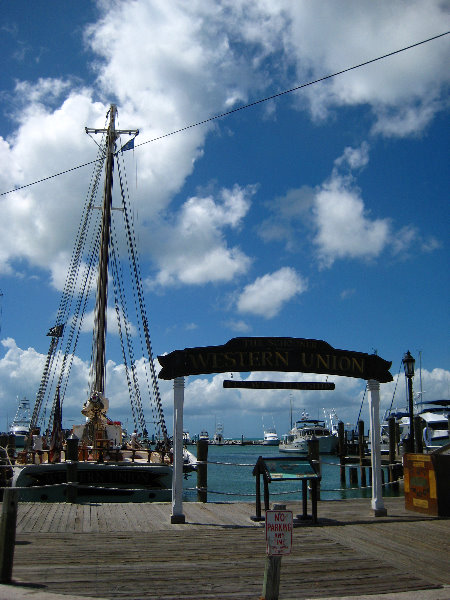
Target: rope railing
(322, 462)
(288, 492)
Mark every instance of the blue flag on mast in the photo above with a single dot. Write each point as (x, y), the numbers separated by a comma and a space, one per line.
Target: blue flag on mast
(128, 146)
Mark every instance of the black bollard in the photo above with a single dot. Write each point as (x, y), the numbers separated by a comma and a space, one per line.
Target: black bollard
(202, 471)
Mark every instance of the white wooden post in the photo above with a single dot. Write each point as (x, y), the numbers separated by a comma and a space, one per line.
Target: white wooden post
(177, 478)
(377, 491)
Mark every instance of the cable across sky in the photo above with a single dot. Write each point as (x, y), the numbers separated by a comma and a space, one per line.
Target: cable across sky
(240, 108)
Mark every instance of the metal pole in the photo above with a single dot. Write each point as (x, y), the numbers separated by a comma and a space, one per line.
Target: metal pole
(411, 415)
(177, 478)
(374, 406)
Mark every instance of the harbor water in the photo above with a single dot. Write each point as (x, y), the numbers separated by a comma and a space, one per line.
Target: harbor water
(230, 477)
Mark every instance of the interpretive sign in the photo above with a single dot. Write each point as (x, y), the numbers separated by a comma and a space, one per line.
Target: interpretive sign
(278, 385)
(274, 354)
(287, 468)
(279, 526)
(420, 484)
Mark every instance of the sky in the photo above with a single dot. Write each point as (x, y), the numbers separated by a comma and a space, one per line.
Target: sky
(321, 213)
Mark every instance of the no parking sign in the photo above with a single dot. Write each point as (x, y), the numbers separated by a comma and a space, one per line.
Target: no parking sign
(279, 526)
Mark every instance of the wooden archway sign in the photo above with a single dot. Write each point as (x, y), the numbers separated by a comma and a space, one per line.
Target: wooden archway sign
(274, 354)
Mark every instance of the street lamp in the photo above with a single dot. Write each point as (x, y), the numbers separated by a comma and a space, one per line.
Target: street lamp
(408, 364)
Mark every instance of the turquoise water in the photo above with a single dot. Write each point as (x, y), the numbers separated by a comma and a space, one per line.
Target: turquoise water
(234, 482)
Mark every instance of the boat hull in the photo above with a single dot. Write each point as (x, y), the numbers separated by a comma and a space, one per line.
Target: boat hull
(327, 445)
(96, 482)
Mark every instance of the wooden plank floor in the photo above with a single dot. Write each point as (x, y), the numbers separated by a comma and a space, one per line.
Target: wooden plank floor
(133, 551)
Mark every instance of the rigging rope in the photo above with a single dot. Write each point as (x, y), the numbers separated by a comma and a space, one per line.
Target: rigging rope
(63, 313)
(140, 307)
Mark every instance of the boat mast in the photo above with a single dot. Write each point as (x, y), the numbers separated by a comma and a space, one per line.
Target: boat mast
(98, 384)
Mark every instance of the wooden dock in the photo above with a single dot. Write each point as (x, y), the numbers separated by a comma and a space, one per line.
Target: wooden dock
(132, 551)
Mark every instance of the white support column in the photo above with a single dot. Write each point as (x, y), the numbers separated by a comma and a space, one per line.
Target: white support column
(374, 406)
(177, 479)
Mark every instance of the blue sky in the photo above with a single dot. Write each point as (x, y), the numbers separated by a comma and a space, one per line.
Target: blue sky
(319, 214)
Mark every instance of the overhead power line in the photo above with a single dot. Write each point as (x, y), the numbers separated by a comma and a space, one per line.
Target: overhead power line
(243, 107)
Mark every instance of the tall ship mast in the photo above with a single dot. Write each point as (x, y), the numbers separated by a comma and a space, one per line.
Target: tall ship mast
(103, 453)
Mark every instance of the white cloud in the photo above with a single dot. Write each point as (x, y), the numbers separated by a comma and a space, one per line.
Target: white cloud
(344, 229)
(354, 158)
(404, 91)
(194, 249)
(267, 295)
(171, 64)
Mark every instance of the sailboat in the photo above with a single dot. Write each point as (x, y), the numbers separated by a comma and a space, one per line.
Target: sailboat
(107, 469)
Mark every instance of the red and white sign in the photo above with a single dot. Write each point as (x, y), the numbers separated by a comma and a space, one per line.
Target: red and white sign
(279, 526)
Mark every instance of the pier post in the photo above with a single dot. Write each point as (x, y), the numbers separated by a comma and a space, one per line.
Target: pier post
(8, 533)
(378, 507)
(177, 477)
(3, 461)
(202, 471)
(314, 456)
(341, 450)
(418, 435)
(361, 449)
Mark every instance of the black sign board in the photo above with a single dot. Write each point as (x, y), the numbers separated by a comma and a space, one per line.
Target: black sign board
(274, 354)
(278, 385)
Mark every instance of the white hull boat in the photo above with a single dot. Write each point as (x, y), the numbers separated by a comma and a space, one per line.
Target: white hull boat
(296, 441)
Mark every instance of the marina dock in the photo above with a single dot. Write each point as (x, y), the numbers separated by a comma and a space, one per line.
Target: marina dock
(133, 551)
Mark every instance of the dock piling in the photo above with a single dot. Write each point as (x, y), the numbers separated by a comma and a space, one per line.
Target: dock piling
(314, 456)
(202, 471)
(8, 533)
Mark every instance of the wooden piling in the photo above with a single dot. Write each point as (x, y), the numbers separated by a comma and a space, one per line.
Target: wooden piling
(8, 533)
(314, 456)
(362, 473)
(341, 450)
(418, 435)
(3, 461)
(202, 471)
(362, 454)
(353, 475)
(392, 440)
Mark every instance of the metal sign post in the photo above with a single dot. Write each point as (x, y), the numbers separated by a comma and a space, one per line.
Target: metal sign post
(279, 527)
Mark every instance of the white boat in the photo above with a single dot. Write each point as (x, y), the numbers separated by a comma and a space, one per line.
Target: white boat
(435, 417)
(296, 441)
(270, 437)
(218, 438)
(107, 470)
(20, 426)
(204, 435)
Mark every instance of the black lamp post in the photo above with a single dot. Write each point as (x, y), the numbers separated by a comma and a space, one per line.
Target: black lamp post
(408, 364)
